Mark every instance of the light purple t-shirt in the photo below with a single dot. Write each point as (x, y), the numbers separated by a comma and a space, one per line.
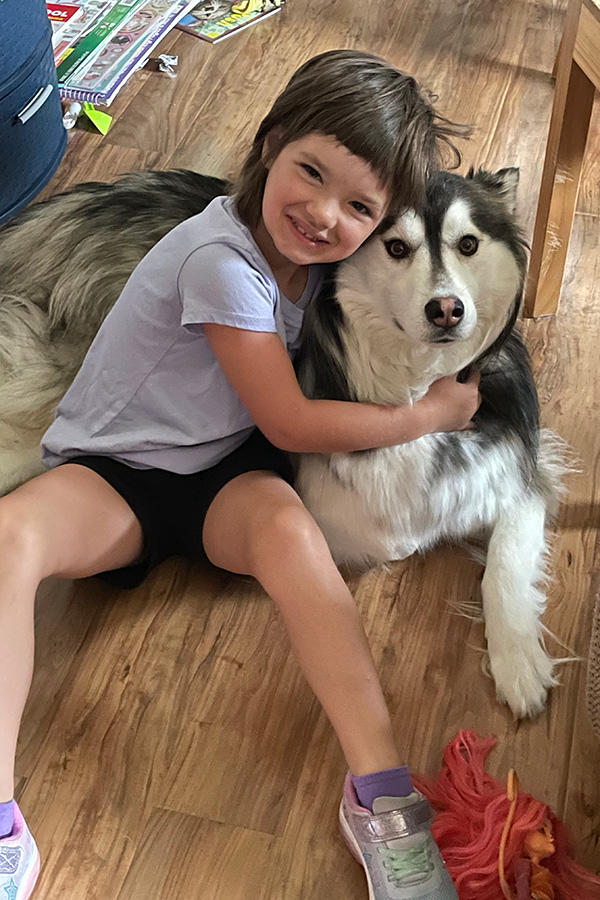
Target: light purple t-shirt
(151, 392)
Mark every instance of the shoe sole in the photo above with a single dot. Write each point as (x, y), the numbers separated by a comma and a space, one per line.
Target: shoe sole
(354, 848)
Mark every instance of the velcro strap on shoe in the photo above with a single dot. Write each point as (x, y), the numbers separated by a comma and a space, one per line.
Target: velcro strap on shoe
(399, 823)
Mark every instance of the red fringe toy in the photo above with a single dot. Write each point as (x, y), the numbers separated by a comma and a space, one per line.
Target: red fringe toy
(497, 842)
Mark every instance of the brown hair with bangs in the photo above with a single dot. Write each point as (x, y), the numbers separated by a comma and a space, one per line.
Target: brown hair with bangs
(376, 111)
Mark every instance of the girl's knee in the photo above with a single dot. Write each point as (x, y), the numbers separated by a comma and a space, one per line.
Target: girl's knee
(282, 532)
(255, 522)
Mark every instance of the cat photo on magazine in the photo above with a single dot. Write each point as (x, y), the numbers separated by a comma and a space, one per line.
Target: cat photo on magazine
(214, 20)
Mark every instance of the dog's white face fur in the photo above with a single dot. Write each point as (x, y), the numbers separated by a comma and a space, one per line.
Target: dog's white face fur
(385, 287)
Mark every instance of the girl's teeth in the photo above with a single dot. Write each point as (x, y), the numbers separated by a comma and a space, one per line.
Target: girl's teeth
(311, 237)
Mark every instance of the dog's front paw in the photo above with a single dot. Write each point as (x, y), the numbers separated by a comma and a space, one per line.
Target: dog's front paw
(523, 673)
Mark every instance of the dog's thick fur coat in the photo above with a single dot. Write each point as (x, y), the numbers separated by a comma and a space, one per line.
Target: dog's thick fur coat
(379, 333)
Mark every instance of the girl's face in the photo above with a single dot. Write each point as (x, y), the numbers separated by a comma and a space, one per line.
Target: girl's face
(320, 203)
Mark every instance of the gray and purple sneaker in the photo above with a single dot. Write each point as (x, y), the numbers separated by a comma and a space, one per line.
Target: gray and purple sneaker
(19, 861)
(395, 847)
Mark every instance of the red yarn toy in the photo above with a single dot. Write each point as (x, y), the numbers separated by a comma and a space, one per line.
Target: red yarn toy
(499, 842)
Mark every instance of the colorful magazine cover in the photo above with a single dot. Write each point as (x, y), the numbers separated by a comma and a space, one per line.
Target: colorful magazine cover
(75, 29)
(126, 52)
(92, 42)
(60, 14)
(214, 20)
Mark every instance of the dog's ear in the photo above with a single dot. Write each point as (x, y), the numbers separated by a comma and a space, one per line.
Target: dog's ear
(503, 183)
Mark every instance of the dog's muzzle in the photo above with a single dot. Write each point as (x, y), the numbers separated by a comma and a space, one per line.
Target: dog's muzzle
(445, 313)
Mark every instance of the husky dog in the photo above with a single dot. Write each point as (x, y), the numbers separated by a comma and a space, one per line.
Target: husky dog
(431, 295)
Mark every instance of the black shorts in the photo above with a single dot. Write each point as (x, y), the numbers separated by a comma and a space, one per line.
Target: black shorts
(171, 508)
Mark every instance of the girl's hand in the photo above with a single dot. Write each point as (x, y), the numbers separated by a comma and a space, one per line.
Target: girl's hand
(450, 405)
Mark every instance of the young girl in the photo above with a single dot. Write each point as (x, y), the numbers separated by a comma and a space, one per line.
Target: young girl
(172, 438)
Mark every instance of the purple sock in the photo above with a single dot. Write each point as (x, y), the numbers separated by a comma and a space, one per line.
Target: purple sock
(388, 783)
(7, 818)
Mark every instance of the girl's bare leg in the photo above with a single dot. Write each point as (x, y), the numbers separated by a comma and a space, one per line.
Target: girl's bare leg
(67, 522)
(257, 525)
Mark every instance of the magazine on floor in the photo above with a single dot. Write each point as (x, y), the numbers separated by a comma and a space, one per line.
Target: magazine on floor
(214, 20)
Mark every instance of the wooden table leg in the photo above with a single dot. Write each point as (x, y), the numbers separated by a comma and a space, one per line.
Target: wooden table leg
(534, 303)
(560, 183)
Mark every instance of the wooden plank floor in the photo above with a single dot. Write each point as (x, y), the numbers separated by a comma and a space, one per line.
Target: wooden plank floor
(170, 747)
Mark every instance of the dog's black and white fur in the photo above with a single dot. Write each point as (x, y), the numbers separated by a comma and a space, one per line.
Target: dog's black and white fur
(430, 296)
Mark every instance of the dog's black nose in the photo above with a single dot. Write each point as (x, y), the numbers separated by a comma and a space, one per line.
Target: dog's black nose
(445, 312)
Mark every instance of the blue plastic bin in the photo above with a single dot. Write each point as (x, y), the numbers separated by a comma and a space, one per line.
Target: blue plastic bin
(32, 135)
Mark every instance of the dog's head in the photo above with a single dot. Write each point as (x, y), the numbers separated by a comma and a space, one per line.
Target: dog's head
(450, 279)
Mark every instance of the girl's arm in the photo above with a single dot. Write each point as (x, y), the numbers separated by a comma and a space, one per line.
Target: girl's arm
(259, 369)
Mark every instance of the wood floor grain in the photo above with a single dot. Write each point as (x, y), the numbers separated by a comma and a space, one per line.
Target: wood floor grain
(170, 747)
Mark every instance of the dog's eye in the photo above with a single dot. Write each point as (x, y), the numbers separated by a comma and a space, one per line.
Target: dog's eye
(468, 245)
(397, 249)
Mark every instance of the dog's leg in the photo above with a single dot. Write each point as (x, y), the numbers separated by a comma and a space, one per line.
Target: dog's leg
(513, 604)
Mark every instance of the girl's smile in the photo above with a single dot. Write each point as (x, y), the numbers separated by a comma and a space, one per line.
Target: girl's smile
(306, 232)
